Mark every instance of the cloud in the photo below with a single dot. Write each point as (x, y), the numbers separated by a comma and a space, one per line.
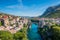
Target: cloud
(11, 6)
(19, 5)
(20, 1)
(22, 7)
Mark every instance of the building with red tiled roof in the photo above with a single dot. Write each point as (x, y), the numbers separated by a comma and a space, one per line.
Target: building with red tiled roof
(5, 16)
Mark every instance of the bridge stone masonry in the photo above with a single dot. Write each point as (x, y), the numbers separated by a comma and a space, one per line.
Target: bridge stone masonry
(43, 21)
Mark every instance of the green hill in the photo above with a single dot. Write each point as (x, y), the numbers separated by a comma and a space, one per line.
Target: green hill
(52, 12)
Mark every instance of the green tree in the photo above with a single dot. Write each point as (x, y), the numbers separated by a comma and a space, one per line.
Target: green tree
(0, 23)
(5, 35)
(20, 36)
(56, 33)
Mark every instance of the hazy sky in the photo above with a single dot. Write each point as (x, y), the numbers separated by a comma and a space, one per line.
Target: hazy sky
(26, 7)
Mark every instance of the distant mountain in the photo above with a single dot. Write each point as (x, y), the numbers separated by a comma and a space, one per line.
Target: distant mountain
(2, 14)
(52, 12)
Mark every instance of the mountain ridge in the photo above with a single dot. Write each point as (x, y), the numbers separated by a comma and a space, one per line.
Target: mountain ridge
(52, 12)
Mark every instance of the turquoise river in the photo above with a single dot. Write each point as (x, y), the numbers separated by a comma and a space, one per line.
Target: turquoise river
(33, 32)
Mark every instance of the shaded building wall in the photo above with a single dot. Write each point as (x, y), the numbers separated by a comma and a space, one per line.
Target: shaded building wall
(1, 22)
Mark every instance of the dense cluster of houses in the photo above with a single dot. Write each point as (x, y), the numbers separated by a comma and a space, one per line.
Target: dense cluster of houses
(12, 23)
(48, 21)
(46, 26)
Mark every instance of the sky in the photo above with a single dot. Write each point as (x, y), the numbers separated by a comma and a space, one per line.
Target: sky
(26, 7)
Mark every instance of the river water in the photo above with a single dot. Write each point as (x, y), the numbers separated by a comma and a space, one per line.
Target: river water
(33, 32)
